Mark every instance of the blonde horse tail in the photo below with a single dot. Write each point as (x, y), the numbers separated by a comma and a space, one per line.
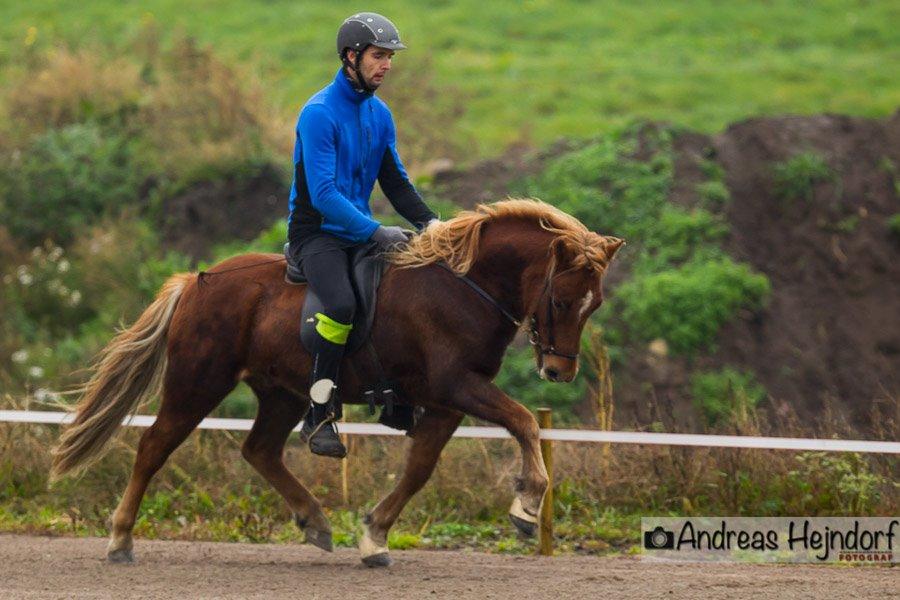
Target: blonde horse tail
(128, 372)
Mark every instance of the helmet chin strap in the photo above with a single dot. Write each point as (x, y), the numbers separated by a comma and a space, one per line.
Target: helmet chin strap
(361, 84)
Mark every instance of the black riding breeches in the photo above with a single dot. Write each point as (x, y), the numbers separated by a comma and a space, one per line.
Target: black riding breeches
(324, 260)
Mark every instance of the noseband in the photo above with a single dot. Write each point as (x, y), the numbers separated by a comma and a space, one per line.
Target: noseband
(534, 335)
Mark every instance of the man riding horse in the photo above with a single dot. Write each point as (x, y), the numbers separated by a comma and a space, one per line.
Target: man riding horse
(345, 141)
(501, 268)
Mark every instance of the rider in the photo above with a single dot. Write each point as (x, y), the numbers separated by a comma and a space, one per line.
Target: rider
(345, 141)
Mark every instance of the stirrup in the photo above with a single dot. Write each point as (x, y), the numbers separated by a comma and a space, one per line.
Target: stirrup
(324, 439)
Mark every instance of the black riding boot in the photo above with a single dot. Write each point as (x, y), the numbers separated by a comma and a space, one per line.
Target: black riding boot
(319, 429)
(320, 432)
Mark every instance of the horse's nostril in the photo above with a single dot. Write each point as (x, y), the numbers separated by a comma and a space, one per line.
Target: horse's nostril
(552, 374)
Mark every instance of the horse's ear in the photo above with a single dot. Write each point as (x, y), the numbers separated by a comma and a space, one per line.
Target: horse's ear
(559, 252)
(611, 245)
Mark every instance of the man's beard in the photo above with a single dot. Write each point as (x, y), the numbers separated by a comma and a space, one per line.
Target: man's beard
(354, 77)
(373, 85)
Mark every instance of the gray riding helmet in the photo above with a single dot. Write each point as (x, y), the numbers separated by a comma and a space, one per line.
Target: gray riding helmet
(367, 29)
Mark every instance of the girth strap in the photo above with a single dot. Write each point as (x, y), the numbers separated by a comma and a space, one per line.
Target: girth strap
(383, 389)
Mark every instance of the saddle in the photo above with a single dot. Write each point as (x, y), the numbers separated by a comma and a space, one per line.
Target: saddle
(366, 269)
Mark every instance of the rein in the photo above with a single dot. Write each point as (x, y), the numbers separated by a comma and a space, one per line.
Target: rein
(483, 294)
(534, 335)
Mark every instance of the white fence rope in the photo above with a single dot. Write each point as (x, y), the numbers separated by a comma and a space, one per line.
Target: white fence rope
(563, 435)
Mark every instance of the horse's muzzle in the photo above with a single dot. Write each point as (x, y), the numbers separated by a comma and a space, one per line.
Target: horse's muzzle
(557, 369)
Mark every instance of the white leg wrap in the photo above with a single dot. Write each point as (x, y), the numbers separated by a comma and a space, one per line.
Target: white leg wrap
(517, 510)
(320, 392)
(368, 546)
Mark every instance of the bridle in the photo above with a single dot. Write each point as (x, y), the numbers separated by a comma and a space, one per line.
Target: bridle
(534, 334)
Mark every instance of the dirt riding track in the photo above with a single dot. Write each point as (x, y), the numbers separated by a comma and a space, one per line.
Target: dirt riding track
(42, 567)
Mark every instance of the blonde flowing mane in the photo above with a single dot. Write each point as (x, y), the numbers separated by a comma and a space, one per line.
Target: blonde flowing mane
(456, 240)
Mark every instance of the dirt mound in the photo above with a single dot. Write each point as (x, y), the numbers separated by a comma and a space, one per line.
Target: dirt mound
(221, 209)
(831, 334)
(828, 343)
(493, 179)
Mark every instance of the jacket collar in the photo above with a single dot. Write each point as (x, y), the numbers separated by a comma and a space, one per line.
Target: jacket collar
(345, 89)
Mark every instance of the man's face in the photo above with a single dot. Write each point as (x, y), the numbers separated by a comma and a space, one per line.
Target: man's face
(375, 64)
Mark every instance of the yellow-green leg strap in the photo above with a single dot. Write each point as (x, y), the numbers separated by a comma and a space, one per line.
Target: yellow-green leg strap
(331, 330)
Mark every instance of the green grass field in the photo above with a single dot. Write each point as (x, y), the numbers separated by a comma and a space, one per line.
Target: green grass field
(536, 70)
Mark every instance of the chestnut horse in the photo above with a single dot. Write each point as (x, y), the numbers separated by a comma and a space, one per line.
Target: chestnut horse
(438, 339)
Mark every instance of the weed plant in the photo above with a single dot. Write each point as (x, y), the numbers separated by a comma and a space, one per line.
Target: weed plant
(893, 226)
(796, 177)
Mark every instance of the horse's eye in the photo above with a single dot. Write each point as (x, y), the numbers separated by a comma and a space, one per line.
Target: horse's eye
(558, 304)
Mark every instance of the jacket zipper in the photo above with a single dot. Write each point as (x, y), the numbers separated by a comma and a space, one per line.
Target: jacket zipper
(366, 134)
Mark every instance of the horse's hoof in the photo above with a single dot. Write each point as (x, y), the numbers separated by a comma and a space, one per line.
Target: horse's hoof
(319, 539)
(319, 535)
(526, 528)
(378, 560)
(120, 557)
(524, 521)
(373, 553)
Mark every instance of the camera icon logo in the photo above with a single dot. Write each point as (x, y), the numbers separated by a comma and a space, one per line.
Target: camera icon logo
(659, 539)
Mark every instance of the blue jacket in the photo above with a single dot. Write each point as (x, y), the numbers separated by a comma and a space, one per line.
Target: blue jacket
(345, 141)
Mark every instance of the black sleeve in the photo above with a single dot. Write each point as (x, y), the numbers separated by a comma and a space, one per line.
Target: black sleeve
(401, 193)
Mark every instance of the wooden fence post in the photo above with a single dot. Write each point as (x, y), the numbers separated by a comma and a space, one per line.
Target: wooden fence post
(345, 469)
(545, 548)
